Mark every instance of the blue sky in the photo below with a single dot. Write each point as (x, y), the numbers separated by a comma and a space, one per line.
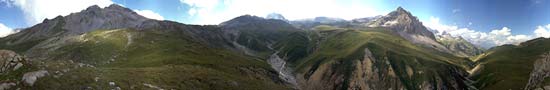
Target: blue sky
(483, 22)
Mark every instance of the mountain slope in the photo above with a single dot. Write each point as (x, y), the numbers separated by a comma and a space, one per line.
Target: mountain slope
(372, 58)
(459, 46)
(512, 67)
(127, 51)
(254, 35)
(92, 18)
(100, 57)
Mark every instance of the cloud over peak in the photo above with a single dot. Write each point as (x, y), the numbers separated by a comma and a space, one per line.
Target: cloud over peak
(486, 40)
(149, 14)
(542, 31)
(5, 30)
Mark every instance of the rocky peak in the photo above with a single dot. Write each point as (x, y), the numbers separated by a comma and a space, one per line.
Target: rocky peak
(409, 27)
(93, 8)
(94, 17)
(403, 21)
(400, 9)
(401, 13)
(116, 7)
(89, 19)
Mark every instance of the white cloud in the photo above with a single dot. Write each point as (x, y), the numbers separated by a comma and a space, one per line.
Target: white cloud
(543, 31)
(504, 36)
(200, 6)
(37, 10)
(486, 40)
(149, 14)
(5, 31)
(505, 31)
(217, 11)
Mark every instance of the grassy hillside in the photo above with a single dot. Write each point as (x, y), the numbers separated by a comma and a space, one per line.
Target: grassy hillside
(134, 59)
(509, 67)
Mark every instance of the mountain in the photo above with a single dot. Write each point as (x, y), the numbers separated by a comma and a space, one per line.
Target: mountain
(92, 18)
(459, 46)
(253, 34)
(409, 27)
(524, 66)
(115, 48)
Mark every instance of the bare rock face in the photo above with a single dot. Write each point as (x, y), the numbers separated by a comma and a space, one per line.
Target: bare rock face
(409, 27)
(366, 76)
(10, 61)
(541, 70)
(30, 77)
(371, 72)
(6, 86)
(280, 66)
(403, 21)
(111, 17)
(323, 78)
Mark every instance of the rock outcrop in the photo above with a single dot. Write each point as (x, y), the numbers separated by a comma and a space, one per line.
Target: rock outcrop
(280, 65)
(6, 86)
(368, 76)
(31, 77)
(10, 61)
(381, 73)
(541, 70)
